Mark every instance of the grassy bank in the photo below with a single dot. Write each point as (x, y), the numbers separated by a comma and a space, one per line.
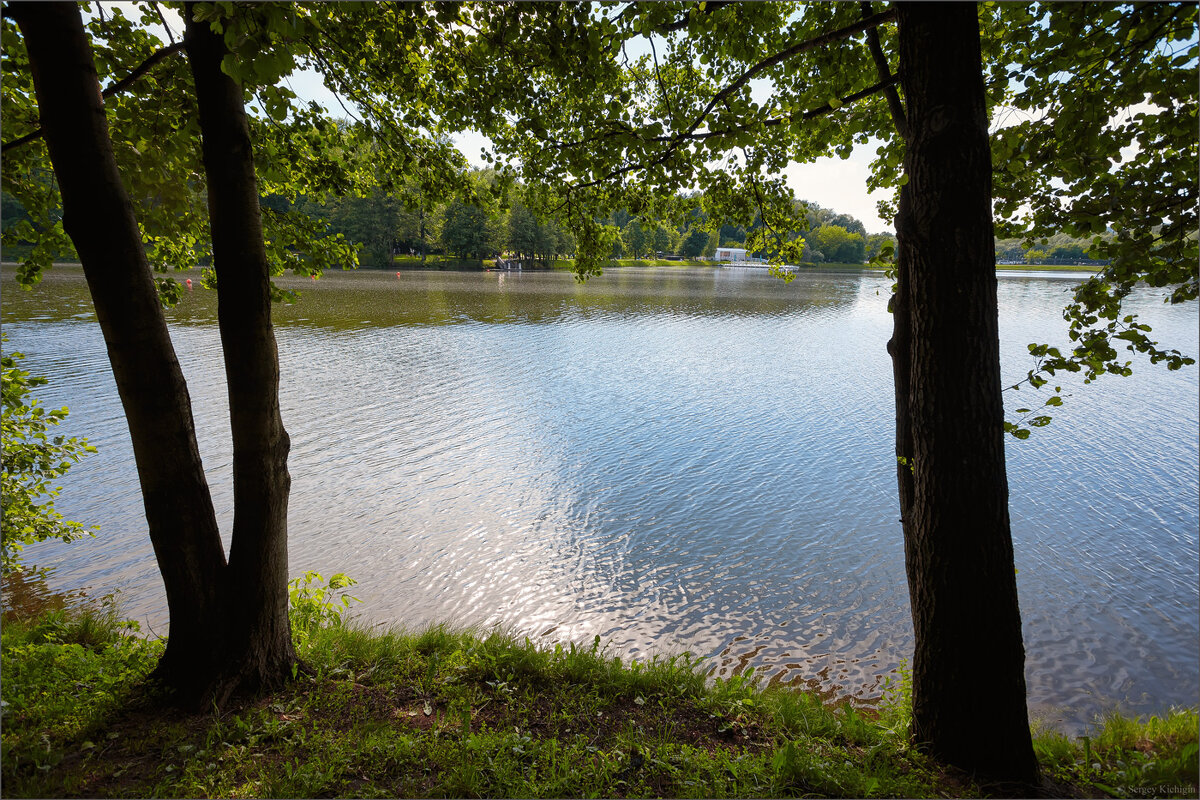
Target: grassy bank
(451, 713)
(1048, 268)
(839, 267)
(430, 262)
(660, 262)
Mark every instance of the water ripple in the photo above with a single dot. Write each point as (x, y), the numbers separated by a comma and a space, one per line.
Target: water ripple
(669, 460)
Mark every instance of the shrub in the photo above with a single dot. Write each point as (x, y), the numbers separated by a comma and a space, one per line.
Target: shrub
(32, 461)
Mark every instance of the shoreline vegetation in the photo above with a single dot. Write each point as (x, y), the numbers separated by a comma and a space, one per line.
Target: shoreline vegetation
(413, 263)
(459, 713)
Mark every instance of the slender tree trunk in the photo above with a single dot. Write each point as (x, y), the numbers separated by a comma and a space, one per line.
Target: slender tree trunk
(969, 704)
(260, 642)
(421, 232)
(99, 218)
(900, 348)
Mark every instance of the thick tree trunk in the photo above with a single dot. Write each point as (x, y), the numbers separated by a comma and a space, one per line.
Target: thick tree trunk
(968, 669)
(260, 638)
(99, 218)
(229, 622)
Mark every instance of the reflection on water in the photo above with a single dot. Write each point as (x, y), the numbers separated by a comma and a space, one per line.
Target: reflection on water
(26, 593)
(673, 460)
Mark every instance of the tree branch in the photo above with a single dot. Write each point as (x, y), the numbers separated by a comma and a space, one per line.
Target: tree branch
(796, 49)
(687, 134)
(26, 139)
(675, 140)
(885, 73)
(142, 69)
(120, 86)
(661, 88)
(163, 20)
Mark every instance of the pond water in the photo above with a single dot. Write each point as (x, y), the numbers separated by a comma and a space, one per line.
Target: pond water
(672, 460)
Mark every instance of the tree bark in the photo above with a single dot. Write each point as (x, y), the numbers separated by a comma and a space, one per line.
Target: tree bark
(969, 706)
(99, 218)
(260, 643)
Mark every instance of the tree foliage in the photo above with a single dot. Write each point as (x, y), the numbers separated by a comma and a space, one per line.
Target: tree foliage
(1096, 139)
(467, 231)
(840, 245)
(33, 461)
(634, 238)
(693, 243)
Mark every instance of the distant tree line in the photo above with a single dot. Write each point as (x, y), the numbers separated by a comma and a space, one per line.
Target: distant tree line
(1058, 249)
(407, 223)
(500, 223)
(830, 237)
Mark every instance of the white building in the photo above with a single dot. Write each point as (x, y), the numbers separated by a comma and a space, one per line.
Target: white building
(730, 254)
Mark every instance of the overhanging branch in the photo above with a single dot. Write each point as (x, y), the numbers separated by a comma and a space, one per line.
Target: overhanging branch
(120, 86)
(868, 23)
(675, 140)
(796, 49)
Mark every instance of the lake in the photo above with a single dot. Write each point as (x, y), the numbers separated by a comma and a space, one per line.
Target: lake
(669, 459)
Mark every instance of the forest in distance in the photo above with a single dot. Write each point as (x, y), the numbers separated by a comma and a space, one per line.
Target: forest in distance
(145, 142)
(382, 226)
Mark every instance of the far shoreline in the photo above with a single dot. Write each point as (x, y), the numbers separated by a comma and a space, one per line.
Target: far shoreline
(623, 264)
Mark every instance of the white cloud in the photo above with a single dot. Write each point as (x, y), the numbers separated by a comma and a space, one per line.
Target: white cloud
(470, 143)
(309, 85)
(841, 186)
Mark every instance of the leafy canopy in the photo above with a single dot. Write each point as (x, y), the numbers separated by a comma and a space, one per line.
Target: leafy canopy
(1096, 139)
(300, 149)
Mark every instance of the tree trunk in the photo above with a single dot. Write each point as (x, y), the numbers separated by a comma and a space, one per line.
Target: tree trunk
(229, 622)
(421, 232)
(260, 643)
(969, 705)
(99, 217)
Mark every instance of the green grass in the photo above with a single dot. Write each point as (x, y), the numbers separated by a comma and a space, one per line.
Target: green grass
(1156, 756)
(445, 712)
(1050, 267)
(452, 263)
(430, 262)
(66, 674)
(660, 262)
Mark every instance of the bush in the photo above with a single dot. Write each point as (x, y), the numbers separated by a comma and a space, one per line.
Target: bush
(32, 460)
(313, 603)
